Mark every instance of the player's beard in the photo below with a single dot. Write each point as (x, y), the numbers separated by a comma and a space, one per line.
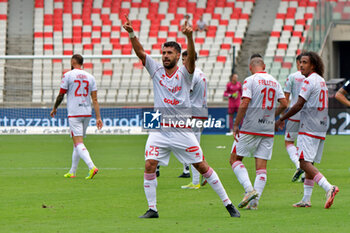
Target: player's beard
(72, 68)
(171, 64)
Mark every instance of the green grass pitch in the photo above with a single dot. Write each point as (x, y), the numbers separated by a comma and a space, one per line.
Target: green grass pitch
(32, 169)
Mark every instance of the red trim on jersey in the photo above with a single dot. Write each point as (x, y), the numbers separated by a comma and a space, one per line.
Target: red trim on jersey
(257, 134)
(311, 135)
(79, 116)
(197, 117)
(63, 91)
(175, 126)
(293, 120)
(261, 72)
(172, 73)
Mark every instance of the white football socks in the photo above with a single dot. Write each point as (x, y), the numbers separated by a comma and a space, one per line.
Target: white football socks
(322, 181)
(292, 151)
(215, 183)
(84, 155)
(195, 175)
(75, 161)
(308, 186)
(150, 187)
(260, 181)
(242, 175)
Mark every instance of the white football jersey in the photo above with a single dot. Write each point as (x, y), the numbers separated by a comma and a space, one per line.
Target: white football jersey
(293, 85)
(198, 95)
(264, 91)
(171, 92)
(314, 114)
(79, 84)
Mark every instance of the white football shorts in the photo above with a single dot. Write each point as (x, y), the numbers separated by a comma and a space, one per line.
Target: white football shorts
(310, 149)
(78, 125)
(184, 146)
(292, 129)
(253, 146)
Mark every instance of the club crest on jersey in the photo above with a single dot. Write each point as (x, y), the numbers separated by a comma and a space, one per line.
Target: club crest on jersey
(151, 120)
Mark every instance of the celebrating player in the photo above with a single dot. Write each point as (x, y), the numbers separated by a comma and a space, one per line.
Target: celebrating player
(80, 87)
(172, 86)
(198, 97)
(293, 85)
(255, 138)
(233, 92)
(313, 103)
(342, 92)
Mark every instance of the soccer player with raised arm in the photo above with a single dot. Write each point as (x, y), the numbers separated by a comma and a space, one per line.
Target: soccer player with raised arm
(80, 87)
(342, 92)
(172, 86)
(261, 92)
(313, 104)
(198, 97)
(292, 87)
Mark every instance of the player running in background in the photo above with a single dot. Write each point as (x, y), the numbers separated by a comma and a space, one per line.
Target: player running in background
(313, 103)
(261, 92)
(80, 87)
(172, 86)
(233, 92)
(292, 87)
(198, 97)
(342, 92)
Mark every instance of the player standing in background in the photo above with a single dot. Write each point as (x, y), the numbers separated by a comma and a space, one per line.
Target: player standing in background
(233, 92)
(313, 103)
(198, 97)
(292, 87)
(172, 86)
(80, 87)
(342, 92)
(261, 92)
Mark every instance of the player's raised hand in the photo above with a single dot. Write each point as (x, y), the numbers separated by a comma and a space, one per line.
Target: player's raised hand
(99, 124)
(187, 29)
(53, 112)
(127, 25)
(236, 133)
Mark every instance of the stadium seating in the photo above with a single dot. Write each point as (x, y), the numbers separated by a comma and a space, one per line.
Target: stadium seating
(3, 28)
(293, 19)
(94, 27)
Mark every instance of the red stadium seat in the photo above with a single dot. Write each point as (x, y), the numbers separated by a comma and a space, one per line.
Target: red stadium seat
(221, 59)
(204, 53)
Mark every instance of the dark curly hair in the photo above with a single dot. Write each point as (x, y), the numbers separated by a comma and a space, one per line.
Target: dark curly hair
(316, 61)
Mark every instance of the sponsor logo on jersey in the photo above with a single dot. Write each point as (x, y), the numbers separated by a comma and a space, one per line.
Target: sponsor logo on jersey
(172, 102)
(173, 89)
(264, 121)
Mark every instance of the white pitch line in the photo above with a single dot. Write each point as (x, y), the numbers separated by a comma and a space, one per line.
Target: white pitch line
(142, 168)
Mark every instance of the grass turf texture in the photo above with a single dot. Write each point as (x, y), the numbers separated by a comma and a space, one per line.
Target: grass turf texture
(32, 169)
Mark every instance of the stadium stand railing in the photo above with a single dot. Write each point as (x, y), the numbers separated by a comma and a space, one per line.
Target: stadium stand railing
(293, 19)
(3, 34)
(64, 27)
